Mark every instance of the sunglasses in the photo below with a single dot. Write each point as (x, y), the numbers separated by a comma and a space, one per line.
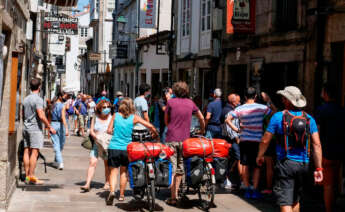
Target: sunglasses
(106, 107)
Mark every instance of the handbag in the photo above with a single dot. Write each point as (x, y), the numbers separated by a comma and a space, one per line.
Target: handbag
(87, 143)
(103, 140)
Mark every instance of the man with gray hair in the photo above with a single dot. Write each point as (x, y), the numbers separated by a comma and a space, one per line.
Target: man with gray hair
(213, 116)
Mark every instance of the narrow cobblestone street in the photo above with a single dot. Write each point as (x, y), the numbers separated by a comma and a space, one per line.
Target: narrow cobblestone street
(61, 190)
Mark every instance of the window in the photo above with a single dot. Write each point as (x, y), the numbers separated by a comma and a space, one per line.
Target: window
(83, 31)
(186, 18)
(205, 15)
(286, 15)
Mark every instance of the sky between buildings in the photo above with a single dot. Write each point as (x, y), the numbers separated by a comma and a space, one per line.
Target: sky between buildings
(82, 3)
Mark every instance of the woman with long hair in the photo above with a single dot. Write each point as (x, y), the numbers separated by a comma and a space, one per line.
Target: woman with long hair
(59, 123)
(121, 127)
(99, 124)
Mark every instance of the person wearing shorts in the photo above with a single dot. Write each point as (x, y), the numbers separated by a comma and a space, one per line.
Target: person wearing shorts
(121, 127)
(32, 133)
(291, 167)
(251, 116)
(178, 119)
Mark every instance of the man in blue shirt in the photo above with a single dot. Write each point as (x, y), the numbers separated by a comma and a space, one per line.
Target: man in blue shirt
(102, 97)
(80, 109)
(292, 161)
(213, 116)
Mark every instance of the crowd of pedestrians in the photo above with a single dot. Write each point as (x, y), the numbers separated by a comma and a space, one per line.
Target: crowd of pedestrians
(286, 141)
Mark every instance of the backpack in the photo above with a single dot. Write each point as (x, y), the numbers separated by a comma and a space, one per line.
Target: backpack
(163, 171)
(136, 173)
(194, 168)
(296, 132)
(70, 110)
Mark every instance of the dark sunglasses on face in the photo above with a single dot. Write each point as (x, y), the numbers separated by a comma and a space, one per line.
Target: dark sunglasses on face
(106, 107)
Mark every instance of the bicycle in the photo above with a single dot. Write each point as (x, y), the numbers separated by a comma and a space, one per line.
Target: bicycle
(149, 167)
(206, 187)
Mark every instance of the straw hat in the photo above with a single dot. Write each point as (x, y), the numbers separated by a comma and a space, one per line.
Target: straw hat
(294, 95)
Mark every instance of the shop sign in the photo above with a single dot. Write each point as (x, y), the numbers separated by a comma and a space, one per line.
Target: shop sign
(94, 56)
(59, 24)
(148, 14)
(240, 16)
(122, 50)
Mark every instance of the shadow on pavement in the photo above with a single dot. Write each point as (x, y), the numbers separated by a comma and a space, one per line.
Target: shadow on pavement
(94, 185)
(45, 187)
(137, 205)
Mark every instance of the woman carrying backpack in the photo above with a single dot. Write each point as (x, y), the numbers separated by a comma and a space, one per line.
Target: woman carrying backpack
(121, 127)
(59, 123)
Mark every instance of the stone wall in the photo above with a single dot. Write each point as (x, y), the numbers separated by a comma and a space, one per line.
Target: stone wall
(15, 41)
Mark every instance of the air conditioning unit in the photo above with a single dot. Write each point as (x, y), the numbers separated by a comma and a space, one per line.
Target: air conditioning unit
(217, 19)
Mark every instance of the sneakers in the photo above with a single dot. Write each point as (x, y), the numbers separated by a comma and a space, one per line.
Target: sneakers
(256, 194)
(60, 166)
(27, 180)
(248, 193)
(267, 192)
(110, 198)
(227, 184)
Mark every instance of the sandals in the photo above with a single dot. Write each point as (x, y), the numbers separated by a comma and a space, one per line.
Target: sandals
(106, 186)
(171, 202)
(121, 198)
(110, 198)
(85, 188)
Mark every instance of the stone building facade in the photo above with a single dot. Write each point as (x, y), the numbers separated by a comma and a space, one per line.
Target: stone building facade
(295, 42)
(14, 15)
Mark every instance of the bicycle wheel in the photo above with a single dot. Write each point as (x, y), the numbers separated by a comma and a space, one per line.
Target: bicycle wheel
(151, 195)
(206, 191)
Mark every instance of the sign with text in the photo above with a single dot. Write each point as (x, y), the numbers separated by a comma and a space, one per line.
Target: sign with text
(94, 56)
(60, 24)
(240, 16)
(242, 10)
(148, 13)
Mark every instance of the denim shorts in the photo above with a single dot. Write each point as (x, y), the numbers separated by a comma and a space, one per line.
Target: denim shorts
(95, 153)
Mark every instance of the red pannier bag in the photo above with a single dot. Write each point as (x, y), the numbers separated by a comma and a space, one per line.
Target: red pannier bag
(221, 148)
(201, 147)
(140, 151)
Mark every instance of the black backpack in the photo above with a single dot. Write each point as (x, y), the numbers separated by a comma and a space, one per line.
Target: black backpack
(296, 132)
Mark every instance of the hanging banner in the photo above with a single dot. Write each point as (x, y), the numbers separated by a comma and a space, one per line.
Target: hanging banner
(229, 15)
(148, 13)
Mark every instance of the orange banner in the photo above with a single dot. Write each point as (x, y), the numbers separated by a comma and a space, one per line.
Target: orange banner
(229, 15)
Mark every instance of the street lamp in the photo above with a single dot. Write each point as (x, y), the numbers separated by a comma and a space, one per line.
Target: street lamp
(121, 23)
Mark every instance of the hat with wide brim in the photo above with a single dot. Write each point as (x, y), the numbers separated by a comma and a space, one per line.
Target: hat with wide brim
(118, 93)
(294, 95)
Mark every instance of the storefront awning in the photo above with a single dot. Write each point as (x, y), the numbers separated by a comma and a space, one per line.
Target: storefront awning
(62, 3)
